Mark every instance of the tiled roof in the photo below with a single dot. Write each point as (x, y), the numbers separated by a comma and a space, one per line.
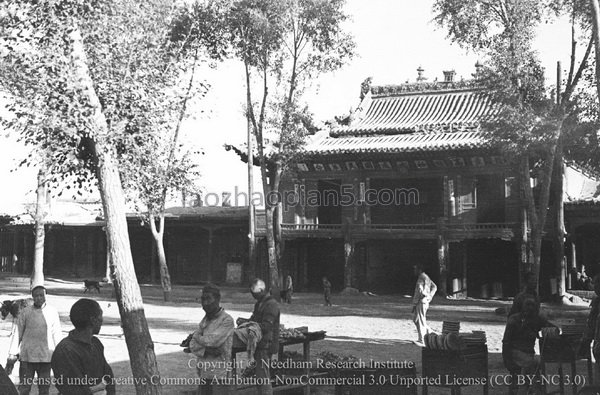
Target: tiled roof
(397, 143)
(395, 111)
(412, 118)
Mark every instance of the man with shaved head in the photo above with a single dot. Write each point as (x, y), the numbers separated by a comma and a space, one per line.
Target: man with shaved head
(266, 314)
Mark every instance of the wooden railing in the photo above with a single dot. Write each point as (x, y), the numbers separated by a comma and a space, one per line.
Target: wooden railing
(393, 226)
(426, 226)
(311, 227)
(425, 230)
(482, 226)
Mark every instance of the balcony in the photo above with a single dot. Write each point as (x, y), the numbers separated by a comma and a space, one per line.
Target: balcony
(452, 232)
(504, 231)
(311, 230)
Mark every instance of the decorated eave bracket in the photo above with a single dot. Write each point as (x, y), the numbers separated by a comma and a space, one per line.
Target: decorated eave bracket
(402, 166)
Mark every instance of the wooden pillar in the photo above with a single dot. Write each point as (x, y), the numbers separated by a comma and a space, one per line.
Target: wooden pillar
(210, 255)
(49, 262)
(74, 267)
(304, 262)
(99, 258)
(446, 197)
(15, 256)
(572, 261)
(25, 262)
(465, 265)
(348, 258)
(367, 206)
(90, 254)
(442, 253)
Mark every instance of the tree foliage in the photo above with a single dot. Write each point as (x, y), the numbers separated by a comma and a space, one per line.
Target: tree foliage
(283, 45)
(93, 85)
(533, 122)
(139, 54)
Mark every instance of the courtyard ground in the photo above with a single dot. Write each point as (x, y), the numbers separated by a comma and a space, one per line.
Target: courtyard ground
(366, 327)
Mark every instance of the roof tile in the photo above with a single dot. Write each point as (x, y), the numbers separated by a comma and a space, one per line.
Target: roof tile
(420, 112)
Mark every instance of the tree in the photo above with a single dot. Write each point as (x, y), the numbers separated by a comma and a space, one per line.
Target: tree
(531, 126)
(283, 44)
(157, 168)
(37, 274)
(150, 178)
(81, 76)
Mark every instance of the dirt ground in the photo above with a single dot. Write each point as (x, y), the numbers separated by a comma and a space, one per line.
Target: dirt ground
(366, 327)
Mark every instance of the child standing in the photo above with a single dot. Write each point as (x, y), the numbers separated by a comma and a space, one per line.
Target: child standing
(289, 290)
(327, 291)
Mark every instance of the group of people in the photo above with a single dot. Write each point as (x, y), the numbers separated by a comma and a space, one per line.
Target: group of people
(523, 325)
(288, 290)
(80, 367)
(77, 360)
(79, 364)
(212, 342)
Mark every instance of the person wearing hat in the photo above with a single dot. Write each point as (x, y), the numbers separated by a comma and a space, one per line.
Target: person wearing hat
(39, 333)
(211, 344)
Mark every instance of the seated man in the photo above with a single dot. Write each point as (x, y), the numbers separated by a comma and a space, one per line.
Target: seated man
(530, 291)
(519, 339)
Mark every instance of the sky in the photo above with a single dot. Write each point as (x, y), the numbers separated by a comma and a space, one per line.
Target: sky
(393, 37)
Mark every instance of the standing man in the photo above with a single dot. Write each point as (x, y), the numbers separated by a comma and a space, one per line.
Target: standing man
(425, 289)
(39, 333)
(327, 291)
(288, 289)
(78, 362)
(266, 314)
(211, 344)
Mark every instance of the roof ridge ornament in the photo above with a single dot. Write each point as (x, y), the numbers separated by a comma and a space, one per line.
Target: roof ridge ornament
(424, 87)
(420, 76)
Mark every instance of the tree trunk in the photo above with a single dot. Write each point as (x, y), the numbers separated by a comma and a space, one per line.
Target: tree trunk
(596, 33)
(37, 273)
(131, 307)
(273, 269)
(537, 215)
(278, 218)
(267, 187)
(165, 278)
(251, 270)
(559, 226)
(159, 235)
(129, 299)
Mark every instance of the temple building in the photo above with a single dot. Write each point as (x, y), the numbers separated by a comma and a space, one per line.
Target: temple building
(411, 179)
